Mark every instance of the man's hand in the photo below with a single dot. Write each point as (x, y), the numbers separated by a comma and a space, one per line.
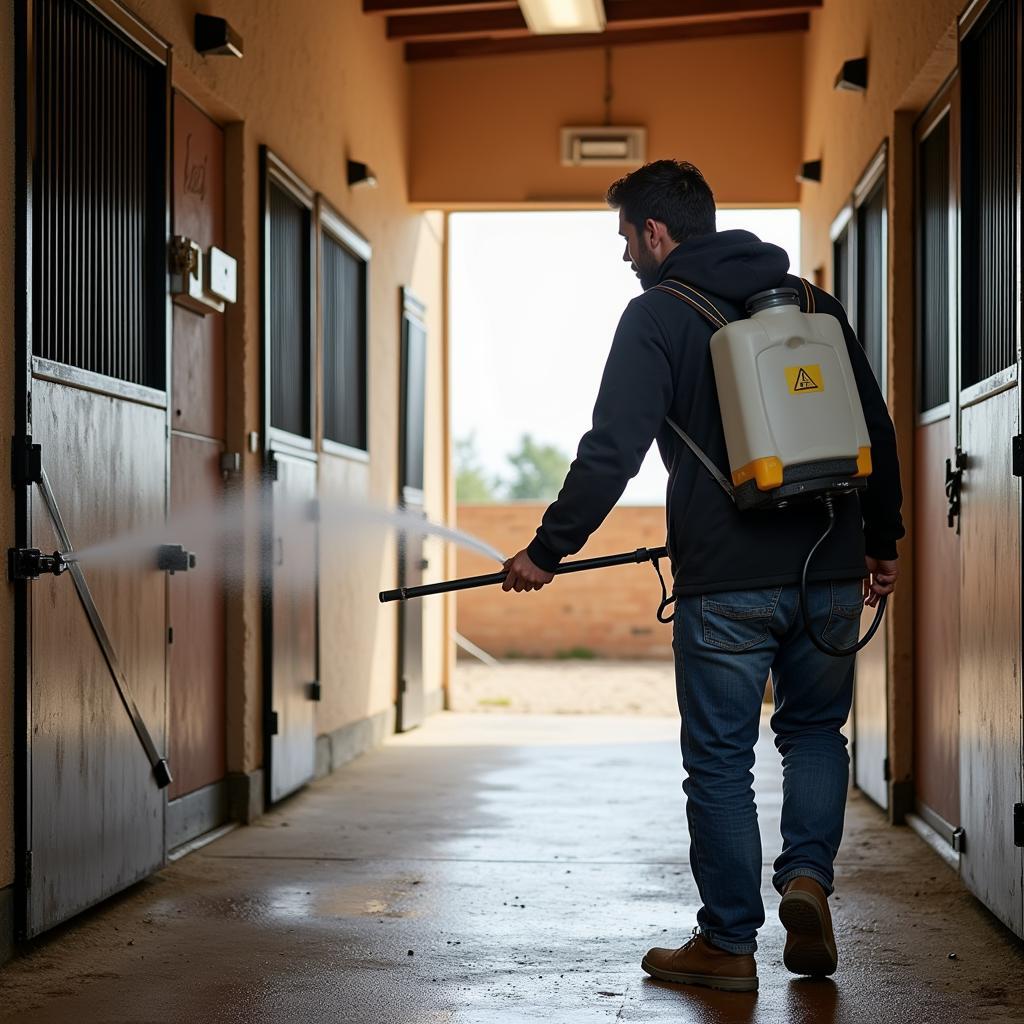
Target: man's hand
(524, 575)
(882, 579)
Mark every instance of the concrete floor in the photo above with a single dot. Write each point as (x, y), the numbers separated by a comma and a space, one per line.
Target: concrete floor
(500, 868)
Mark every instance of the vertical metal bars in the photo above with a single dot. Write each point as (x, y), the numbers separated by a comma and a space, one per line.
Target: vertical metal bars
(933, 267)
(990, 82)
(288, 298)
(99, 198)
(871, 280)
(344, 334)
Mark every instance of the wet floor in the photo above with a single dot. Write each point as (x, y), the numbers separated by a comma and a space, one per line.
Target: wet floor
(503, 868)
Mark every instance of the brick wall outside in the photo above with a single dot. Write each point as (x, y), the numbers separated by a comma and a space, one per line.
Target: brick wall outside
(607, 612)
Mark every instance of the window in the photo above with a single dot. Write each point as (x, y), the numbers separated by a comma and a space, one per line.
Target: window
(288, 306)
(933, 237)
(871, 280)
(344, 257)
(860, 261)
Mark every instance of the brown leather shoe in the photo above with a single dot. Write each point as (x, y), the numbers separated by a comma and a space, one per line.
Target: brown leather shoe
(810, 944)
(699, 963)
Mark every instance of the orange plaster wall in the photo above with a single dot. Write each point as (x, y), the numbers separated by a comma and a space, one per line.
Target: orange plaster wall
(609, 612)
(911, 49)
(486, 130)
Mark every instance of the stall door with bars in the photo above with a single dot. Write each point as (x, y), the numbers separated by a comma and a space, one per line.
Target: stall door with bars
(859, 262)
(95, 366)
(936, 526)
(411, 562)
(989, 399)
(291, 535)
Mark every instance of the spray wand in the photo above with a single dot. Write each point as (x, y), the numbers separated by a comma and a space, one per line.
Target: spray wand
(582, 565)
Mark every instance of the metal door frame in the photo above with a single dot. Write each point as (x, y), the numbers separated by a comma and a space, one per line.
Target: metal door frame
(273, 170)
(129, 28)
(1013, 375)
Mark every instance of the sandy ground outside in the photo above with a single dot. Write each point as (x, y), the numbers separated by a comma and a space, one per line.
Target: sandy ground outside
(569, 687)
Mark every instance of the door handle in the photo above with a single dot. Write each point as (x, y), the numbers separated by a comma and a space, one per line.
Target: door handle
(954, 485)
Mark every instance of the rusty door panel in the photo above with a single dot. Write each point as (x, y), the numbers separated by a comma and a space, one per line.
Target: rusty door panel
(293, 559)
(198, 197)
(990, 644)
(936, 628)
(196, 702)
(97, 821)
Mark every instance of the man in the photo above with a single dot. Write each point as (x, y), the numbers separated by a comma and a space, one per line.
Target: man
(735, 578)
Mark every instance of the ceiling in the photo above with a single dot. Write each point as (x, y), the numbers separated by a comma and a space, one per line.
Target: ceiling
(443, 29)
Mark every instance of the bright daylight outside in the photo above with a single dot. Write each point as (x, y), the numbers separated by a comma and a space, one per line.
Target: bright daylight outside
(534, 302)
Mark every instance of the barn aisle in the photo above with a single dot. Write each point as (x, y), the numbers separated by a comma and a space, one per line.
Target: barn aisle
(493, 868)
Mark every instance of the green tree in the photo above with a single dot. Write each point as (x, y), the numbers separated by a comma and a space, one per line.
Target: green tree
(471, 482)
(538, 471)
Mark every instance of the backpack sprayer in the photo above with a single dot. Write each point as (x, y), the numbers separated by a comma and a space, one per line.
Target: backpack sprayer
(794, 429)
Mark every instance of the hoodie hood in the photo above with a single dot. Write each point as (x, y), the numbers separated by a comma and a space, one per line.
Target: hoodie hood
(730, 264)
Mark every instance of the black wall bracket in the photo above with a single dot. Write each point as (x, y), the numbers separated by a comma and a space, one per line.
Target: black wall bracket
(31, 563)
(174, 558)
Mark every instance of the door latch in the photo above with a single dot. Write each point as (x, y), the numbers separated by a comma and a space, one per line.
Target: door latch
(1017, 455)
(954, 483)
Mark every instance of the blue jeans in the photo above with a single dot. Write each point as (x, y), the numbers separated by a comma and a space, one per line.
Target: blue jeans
(725, 646)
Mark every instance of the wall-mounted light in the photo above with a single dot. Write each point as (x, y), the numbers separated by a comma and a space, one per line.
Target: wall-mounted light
(547, 17)
(215, 35)
(853, 75)
(360, 175)
(810, 171)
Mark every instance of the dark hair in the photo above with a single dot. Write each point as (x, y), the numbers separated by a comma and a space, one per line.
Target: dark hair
(670, 191)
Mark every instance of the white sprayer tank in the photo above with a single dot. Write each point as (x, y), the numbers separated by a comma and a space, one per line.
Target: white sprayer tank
(794, 425)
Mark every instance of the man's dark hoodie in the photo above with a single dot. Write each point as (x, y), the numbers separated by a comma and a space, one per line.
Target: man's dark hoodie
(660, 365)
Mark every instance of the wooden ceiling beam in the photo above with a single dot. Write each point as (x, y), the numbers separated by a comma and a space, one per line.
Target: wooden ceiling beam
(435, 6)
(446, 49)
(621, 14)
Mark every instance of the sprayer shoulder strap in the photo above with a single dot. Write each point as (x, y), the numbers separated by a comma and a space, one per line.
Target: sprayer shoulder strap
(700, 302)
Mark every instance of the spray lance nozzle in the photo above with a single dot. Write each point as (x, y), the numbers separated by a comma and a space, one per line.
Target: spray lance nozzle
(31, 563)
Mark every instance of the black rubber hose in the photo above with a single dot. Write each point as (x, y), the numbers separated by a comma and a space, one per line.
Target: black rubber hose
(819, 641)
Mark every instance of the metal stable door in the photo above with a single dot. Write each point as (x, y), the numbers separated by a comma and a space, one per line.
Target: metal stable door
(290, 641)
(936, 525)
(990, 408)
(411, 562)
(92, 394)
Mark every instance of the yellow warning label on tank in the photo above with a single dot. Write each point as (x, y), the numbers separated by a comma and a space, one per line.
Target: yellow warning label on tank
(805, 380)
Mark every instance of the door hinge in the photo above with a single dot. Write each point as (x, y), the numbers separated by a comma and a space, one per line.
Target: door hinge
(271, 466)
(26, 462)
(958, 840)
(1018, 824)
(1017, 450)
(886, 774)
(314, 690)
(170, 634)
(272, 723)
(28, 869)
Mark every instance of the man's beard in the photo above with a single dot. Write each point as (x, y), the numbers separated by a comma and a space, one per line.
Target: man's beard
(646, 267)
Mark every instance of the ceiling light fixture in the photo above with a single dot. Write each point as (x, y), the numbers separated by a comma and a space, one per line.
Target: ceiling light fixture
(552, 17)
